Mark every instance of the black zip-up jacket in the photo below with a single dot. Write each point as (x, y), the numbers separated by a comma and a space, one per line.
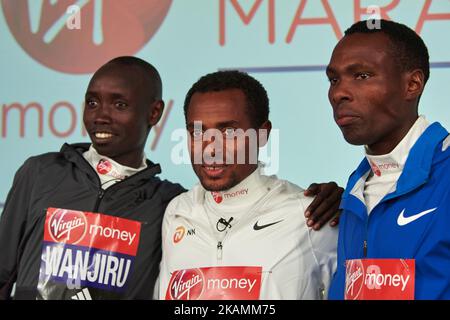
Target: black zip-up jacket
(66, 180)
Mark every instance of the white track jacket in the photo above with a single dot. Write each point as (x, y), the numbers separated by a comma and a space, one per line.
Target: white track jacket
(266, 251)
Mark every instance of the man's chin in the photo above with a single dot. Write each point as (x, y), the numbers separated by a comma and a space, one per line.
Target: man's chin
(104, 150)
(353, 138)
(355, 141)
(218, 185)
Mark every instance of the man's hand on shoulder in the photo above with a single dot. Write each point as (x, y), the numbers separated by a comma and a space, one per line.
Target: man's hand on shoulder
(325, 207)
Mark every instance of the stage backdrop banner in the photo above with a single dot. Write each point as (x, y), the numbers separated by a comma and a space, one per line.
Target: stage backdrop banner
(50, 49)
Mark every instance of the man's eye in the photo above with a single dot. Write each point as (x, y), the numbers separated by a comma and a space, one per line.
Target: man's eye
(121, 105)
(229, 133)
(91, 103)
(333, 80)
(362, 76)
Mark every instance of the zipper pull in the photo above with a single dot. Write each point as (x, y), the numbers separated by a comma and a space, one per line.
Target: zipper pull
(219, 250)
(365, 248)
(100, 195)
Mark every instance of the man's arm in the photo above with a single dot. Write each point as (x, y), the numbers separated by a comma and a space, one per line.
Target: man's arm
(12, 226)
(325, 206)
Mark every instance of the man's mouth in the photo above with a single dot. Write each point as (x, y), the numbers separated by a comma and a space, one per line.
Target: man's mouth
(345, 119)
(214, 171)
(103, 135)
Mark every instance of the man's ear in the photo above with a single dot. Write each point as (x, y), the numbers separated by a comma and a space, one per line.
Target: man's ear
(415, 83)
(264, 133)
(157, 109)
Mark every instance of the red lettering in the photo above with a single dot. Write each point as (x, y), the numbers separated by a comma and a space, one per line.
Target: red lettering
(426, 15)
(298, 20)
(359, 11)
(158, 128)
(246, 18)
(73, 119)
(23, 110)
(52, 122)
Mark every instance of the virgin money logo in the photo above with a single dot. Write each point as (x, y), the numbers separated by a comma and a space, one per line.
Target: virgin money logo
(236, 193)
(375, 169)
(104, 166)
(380, 279)
(67, 226)
(354, 279)
(107, 29)
(217, 196)
(186, 285)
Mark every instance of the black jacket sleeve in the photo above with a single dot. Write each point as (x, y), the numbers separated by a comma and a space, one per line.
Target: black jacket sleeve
(12, 225)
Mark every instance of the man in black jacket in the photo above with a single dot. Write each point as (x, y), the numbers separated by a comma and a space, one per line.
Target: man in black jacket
(85, 222)
(111, 176)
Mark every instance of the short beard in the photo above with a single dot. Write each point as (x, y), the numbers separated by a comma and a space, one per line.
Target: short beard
(212, 186)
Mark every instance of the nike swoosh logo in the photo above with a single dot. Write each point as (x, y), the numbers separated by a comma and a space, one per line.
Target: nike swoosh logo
(403, 221)
(259, 227)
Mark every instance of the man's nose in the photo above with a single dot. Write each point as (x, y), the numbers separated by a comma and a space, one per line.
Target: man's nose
(340, 92)
(213, 148)
(102, 114)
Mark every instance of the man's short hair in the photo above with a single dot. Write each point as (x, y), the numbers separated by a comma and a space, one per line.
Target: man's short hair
(149, 73)
(255, 94)
(407, 46)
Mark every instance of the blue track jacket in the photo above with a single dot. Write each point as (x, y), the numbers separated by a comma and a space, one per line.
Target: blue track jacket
(423, 185)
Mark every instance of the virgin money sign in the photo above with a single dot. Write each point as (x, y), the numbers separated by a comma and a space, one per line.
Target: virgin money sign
(86, 252)
(215, 283)
(106, 29)
(380, 279)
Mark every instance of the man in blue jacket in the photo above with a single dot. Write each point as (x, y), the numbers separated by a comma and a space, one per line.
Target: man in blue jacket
(394, 239)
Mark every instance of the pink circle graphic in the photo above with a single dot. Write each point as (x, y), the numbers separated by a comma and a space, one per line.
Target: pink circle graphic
(104, 166)
(48, 30)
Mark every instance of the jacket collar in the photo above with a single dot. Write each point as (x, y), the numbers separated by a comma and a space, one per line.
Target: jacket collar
(74, 154)
(415, 173)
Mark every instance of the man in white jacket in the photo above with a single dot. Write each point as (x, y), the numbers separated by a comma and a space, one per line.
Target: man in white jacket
(239, 234)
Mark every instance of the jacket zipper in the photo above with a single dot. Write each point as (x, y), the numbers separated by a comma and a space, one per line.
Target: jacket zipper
(366, 236)
(365, 248)
(100, 195)
(219, 250)
(220, 242)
